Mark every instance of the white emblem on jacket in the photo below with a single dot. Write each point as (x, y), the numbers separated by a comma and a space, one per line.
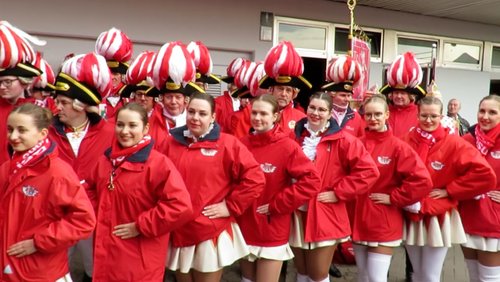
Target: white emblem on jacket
(8, 269)
(267, 168)
(30, 191)
(437, 165)
(495, 155)
(383, 160)
(208, 152)
(291, 124)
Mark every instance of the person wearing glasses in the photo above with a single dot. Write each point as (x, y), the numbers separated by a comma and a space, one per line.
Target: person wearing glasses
(403, 181)
(402, 90)
(16, 76)
(346, 169)
(459, 172)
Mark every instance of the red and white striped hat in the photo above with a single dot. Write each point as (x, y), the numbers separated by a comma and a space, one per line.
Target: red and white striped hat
(116, 47)
(174, 70)
(47, 79)
(202, 62)
(247, 80)
(242, 79)
(138, 75)
(85, 77)
(404, 74)
(257, 75)
(232, 69)
(342, 74)
(16, 52)
(284, 66)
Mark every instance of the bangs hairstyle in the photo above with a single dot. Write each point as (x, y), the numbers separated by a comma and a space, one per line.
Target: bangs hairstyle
(430, 101)
(134, 107)
(492, 97)
(377, 98)
(323, 96)
(42, 117)
(270, 99)
(205, 97)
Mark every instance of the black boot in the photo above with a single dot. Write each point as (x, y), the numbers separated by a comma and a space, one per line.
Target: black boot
(334, 271)
(86, 278)
(408, 268)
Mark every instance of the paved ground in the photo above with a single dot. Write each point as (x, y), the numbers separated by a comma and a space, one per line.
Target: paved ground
(454, 269)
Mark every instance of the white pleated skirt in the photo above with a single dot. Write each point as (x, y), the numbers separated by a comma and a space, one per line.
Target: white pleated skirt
(451, 231)
(487, 244)
(65, 278)
(210, 255)
(281, 253)
(297, 236)
(391, 244)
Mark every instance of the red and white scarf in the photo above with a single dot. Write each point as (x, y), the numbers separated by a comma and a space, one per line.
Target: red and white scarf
(20, 160)
(425, 140)
(486, 141)
(119, 154)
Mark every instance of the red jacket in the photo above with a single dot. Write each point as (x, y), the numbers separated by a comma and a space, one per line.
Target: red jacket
(5, 109)
(482, 217)
(216, 168)
(281, 159)
(346, 168)
(112, 110)
(240, 122)
(158, 128)
(353, 123)
(44, 202)
(224, 110)
(148, 191)
(454, 165)
(98, 138)
(289, 116)
(402, 175)
(47, 102)
(401, 120)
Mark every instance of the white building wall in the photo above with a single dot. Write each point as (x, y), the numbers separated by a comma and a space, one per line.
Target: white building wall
(230, 28)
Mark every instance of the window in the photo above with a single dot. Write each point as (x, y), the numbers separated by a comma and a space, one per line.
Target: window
(422, 48)
(310, 38)
(342, 45)
(467, 55)
(495, 57)
(306, 37)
